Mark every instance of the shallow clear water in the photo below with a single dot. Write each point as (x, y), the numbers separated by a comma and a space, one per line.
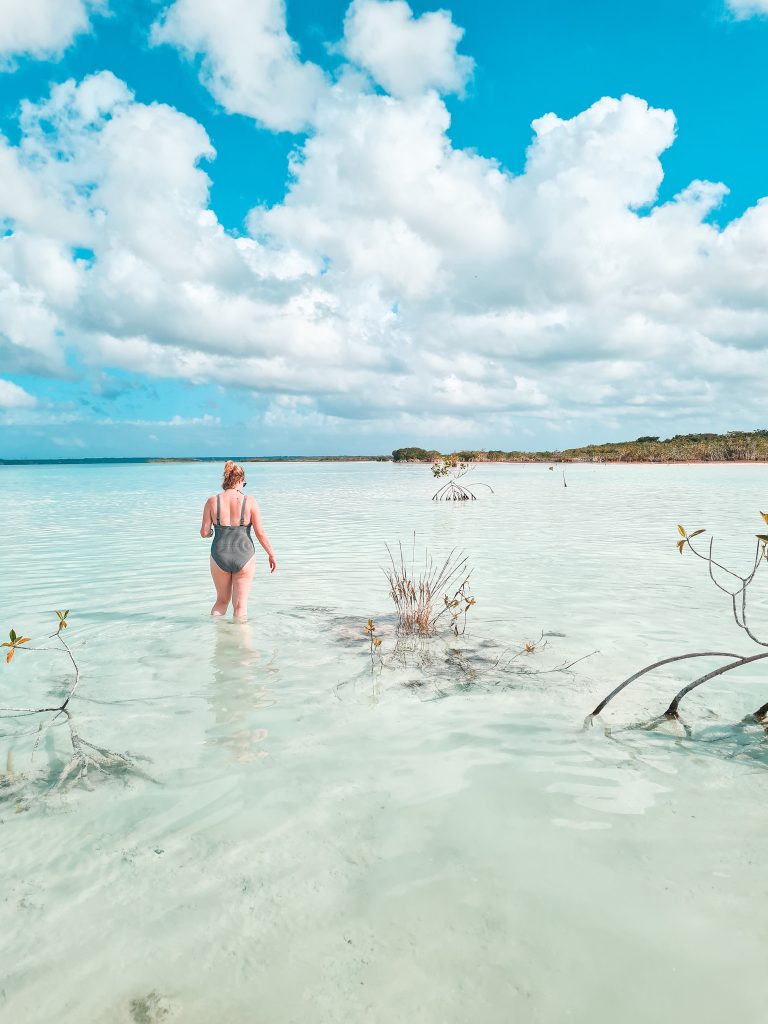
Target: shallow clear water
(434, 841)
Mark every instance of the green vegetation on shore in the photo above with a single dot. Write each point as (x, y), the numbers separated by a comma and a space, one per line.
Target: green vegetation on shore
(735, 446)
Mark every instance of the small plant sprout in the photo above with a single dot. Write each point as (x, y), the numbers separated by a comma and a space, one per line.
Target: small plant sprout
(62, 619)
(686, 537)
(736, 587)
(13, 643)
(458, 606)
(375, 641)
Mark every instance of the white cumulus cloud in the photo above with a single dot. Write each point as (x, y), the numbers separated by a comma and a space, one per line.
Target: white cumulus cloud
(42, 28)
(747, 8)
(405, 54)
(400, 281)
(249, 62)
(14, 397)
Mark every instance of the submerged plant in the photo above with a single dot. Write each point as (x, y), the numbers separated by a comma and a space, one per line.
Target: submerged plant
(86, 756)
(737, 592)
(455, 469)
(429, 594)
(432, 601)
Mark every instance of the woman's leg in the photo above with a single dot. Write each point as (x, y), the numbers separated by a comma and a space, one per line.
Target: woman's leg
(223, 583)
(241, 588)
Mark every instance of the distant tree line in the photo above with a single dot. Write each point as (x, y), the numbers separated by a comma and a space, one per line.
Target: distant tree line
(735, 446)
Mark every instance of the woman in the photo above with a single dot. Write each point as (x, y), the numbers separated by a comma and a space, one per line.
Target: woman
(229, 516)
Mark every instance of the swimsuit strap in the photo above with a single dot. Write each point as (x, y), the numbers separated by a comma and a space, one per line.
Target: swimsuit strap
(242, 511)
(218, 511)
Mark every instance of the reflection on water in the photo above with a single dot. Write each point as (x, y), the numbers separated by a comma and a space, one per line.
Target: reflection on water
(238, 694)
(434, 839)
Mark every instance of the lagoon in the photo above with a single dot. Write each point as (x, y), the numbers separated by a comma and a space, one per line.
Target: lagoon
(437, 841)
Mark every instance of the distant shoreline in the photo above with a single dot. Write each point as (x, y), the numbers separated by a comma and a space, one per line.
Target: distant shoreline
(127, 461)
(623, 462)
(736, 447)
(563, 464)
(276, 459)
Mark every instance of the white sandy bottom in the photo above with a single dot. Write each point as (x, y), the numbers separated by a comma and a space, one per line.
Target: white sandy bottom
(322, 845)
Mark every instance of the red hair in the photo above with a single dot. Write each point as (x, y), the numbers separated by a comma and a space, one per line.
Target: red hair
(233, 474)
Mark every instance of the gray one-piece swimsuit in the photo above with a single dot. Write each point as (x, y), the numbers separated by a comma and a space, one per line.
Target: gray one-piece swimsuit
(232, 546)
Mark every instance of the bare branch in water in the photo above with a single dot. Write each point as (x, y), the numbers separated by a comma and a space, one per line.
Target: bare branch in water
(649, 668)
(85, 756)
(671, 711)
(738, 597)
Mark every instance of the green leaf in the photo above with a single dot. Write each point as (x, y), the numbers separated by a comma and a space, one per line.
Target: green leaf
(681, 530)
(696, 533)
(13, 636)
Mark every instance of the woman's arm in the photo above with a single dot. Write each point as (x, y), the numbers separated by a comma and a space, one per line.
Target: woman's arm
(207, 526)
(261, 537)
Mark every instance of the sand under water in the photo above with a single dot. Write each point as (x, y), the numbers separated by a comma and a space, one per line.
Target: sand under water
(306, 837)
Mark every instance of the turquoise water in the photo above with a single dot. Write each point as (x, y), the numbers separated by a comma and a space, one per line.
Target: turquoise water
(434, 841)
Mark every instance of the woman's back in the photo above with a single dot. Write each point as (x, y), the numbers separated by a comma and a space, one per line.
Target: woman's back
(231, 508)
(229, 517)
(232, 547)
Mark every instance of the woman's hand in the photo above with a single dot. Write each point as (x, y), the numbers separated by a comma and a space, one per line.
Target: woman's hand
(272, 563)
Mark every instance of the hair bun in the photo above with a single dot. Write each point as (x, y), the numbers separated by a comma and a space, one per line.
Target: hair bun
(233, 474)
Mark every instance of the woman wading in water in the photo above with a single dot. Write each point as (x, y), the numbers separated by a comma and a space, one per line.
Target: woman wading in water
(229, 516)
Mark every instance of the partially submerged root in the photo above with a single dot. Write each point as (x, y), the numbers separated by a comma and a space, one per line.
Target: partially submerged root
(672, 711)
(450, 466)
(735, 586)
(87, 756)
(453, 491)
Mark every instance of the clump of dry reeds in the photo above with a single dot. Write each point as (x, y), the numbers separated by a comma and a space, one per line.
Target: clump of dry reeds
(424, 594)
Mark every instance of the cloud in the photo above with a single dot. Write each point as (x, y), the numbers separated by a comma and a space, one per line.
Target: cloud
(742, 9)
(249, 62)
(175, 421)
(401, 281)
(404, 54)
(42, 28)
(69, 442)
(14, 397)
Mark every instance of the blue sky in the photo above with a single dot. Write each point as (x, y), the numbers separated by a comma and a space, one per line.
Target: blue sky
(526, 309)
